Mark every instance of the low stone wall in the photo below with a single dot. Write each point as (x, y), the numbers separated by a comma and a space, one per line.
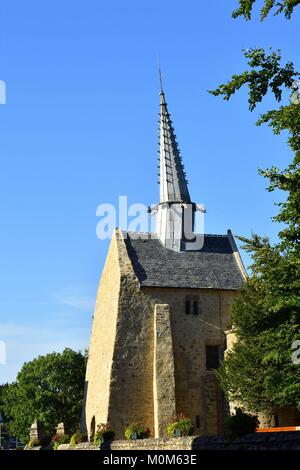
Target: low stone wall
(176, 443)
(257, 441)
(82, 446)
(179, 443)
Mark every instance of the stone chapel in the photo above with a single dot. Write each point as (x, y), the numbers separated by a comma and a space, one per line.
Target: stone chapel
(161, 314)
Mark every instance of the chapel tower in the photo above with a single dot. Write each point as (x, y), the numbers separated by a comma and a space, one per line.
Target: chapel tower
(162, 310)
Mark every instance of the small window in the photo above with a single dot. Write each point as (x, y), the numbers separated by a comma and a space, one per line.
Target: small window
(212, 357)
(192, 305)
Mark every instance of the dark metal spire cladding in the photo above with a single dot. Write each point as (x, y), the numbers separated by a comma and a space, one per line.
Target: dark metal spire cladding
(172, 179)
(175, 211)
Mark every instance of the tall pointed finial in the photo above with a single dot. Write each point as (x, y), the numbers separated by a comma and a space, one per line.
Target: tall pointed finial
(173, 182)
(160, 77)
(174, 197)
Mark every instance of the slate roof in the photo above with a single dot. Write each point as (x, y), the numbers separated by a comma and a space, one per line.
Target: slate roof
(213, 267)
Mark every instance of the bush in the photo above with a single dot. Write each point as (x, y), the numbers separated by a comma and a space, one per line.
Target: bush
(138, 431)
(239, 425)
(104, 433)
(59, 439)
(77, 438)
(181, 426)
(33, 443)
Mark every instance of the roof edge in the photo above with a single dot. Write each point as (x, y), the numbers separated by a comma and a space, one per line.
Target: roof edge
(154, 234)
(209, 289)
(237, 255)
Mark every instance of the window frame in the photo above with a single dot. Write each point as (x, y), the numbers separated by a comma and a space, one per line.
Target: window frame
(192, 305)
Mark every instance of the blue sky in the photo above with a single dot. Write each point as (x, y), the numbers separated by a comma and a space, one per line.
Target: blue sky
(80, 128)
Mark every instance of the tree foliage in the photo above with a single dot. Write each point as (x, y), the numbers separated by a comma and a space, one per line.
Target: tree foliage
(49, 389)
(3, 389)
(5, 423)
(258, 371)
(267, 75)
(239, 425)
(285, 7)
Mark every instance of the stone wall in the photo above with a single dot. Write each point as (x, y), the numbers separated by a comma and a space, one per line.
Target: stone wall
(257, 441)
(131, 387)
(98, 374)
(197, 393)
(163, 370)
(119, 386)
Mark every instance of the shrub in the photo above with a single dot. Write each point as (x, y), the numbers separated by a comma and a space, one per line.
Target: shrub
(138, 431)
(104, 433)
(239, 425)
(59, 439)
(180, 425)
(33, 443)
(77, 438)
(43, 442)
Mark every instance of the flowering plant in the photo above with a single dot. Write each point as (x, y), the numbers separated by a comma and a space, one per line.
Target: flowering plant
(137, 431)
(77, 438)
(181, 425)
(59, 439)
(33, 443)
(104, 433)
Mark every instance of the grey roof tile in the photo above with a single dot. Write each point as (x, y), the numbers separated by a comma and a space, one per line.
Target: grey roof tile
(213, 267)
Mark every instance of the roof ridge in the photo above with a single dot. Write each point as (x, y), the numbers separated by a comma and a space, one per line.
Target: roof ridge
(155, 235)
